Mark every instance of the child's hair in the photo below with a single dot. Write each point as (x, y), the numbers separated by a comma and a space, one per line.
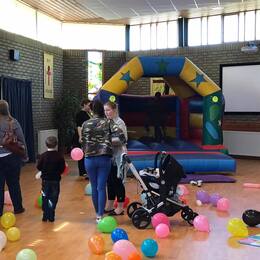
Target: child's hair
(4, 108)
(51, 141)
(112, 105)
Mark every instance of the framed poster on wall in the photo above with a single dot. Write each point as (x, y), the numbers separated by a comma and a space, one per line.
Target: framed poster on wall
(48, 76)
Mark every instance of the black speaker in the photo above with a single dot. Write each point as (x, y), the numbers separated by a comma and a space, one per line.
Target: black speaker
(14, 55)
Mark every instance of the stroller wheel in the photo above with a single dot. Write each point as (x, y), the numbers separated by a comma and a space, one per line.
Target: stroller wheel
(141, 218)
(133, 207)
(188, 215)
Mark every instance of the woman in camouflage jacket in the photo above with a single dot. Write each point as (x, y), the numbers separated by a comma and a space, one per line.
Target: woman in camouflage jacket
(97, 134)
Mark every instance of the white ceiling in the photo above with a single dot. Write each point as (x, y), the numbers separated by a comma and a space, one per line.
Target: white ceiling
(137, 11)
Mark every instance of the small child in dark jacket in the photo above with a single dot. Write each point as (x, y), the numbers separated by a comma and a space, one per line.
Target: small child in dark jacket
(52, 165)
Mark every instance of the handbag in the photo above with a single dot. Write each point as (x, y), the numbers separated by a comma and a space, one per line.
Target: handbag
(11, 143)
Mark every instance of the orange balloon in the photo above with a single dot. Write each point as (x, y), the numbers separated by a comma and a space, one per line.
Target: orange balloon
(134, 256)
(112, 256)
(96, 245)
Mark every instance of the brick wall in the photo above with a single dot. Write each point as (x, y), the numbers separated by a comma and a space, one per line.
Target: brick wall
(112, 62)
(30, 67)
(208, 59)
(75, 71)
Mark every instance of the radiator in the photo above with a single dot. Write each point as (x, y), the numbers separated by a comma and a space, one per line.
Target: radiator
(42, 135)
(242, 142)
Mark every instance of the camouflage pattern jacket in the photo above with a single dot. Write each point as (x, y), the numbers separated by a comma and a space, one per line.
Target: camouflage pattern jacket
(97, 136)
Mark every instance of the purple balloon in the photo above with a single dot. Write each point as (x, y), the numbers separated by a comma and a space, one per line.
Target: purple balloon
(214, 198)
(203, 196)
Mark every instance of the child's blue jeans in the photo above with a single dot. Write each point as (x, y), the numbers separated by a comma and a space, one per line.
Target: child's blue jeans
(98, 169)
(50, 196)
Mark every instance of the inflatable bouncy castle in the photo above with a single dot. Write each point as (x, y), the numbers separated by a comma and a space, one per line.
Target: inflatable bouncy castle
(194, 113)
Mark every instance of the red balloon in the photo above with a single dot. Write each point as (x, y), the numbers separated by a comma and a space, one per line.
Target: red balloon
(126, 202)
(66, 170)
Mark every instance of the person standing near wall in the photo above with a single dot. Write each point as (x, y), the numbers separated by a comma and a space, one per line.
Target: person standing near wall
(156, 116)
(83, 115)
(115, 186)
(10, 162)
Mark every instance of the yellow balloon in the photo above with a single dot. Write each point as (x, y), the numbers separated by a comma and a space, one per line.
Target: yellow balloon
(13, 234)
(8, 220)
(236, 227)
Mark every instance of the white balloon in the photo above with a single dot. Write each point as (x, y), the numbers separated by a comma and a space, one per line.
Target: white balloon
(3, 240)
(38, 175)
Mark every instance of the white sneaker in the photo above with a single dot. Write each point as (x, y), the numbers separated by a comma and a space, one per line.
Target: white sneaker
(98, 219)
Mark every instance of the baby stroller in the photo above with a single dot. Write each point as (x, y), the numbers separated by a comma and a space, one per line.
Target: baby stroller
(159, 187)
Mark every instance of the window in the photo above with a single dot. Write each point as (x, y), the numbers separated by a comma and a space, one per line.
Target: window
(241, 27)
(145, 37)
(94, 73)
(25, 21)
(6, 20)
(204, 30)
(153, 36)
(231, 28)
(257, 33)
(93, 36)
(172, 34)
(18, 18)
(135, 38)
(194, 32)
(250, 26)
(48, 30)
(162, 35)
(214, 29)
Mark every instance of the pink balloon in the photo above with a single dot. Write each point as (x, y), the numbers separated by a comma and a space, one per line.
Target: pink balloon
(124, 248)
(201, 223)
(162, 230)
(76, 154)
(184, 190)
(223, 204)
(160, 218)
(7, 199)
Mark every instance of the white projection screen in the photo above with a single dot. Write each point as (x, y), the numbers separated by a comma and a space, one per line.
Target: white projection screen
(241, 87)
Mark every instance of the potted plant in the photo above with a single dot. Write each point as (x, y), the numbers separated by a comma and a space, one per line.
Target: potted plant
(64, 119)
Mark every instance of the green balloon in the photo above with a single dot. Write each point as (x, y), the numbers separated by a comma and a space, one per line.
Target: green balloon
(26, 254)
(107, 225)
(39, 200)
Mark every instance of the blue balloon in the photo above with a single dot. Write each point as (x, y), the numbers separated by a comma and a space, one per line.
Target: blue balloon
(149, 247)
(143, 198)
(118, 234)
(88, 189)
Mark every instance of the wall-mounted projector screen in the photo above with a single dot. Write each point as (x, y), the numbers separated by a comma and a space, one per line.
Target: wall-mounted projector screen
(241, 87)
